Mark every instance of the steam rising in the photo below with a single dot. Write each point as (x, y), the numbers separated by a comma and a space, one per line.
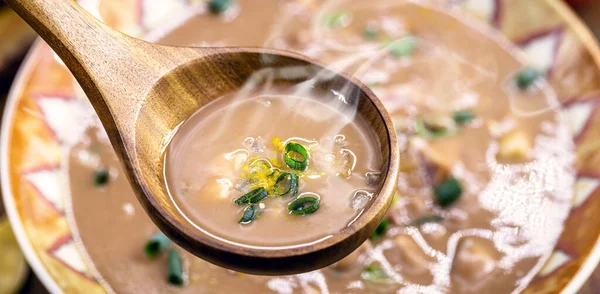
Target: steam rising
(407, 90)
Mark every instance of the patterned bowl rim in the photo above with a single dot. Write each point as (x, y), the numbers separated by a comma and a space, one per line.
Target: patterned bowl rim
(584, 272)
(9, 202)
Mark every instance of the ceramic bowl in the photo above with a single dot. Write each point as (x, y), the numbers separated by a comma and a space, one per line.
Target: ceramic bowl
(43, 110)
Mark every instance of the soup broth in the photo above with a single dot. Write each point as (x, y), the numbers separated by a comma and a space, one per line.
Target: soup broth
(237, 146)
(486, 160)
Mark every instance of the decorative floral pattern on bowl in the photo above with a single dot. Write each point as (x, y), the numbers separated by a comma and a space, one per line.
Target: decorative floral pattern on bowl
(43, 115)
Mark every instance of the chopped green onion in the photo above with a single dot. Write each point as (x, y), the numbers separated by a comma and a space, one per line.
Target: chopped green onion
(101, 177)
(253, 196)
(374, 274)
(425, 220)
(381, 229)
(403, 47)
(337, 19)
(176, 276)
(293, 184)
(249, 215)
(157, 243)
(219, 6)
(304, 205)
(527, 77)
(448, 192)
(370, 32)
(295, 150)
(431, 132)
(463, 116)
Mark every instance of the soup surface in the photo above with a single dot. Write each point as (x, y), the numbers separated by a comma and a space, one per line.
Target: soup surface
(236, 147)
(486, 162)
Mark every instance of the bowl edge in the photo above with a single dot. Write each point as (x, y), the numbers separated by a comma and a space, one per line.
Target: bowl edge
(12, 213)
(584, 34)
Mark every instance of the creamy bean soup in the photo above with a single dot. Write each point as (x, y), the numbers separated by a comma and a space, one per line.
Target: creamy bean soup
(269, 167)
(486, 161)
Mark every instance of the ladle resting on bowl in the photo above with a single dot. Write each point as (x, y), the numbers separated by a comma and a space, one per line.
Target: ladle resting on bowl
(142, 92)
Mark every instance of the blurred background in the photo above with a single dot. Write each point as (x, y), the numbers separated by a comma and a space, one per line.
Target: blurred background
(15, 39)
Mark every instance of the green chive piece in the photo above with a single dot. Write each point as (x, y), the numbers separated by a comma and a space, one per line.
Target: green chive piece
(219, 6)
(304, 205)
(296, 150)
(252, 197)
(463, 116)
(293, 184)
(157, 243)
(373, 273)
(448, 192)
(101, 177)
(249, 215)
(381, 229)
(370, 33)
(430, 132)
(403, 47)
(176, 276)
(337, 19)
(425, 220)
(527, 77)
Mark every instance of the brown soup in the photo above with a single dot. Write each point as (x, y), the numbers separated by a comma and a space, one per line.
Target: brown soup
(273, 168)
(486, 161)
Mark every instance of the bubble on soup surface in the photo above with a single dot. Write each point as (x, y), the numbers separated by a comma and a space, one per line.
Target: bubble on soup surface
(360, 199)
(373, 178)
(243, 185)
(254, 145)
(346, 163)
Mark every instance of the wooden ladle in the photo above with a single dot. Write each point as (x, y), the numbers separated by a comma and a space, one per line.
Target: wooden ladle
(143, 91)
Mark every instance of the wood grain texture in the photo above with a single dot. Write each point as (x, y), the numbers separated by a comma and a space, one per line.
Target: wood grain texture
(143, 91)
